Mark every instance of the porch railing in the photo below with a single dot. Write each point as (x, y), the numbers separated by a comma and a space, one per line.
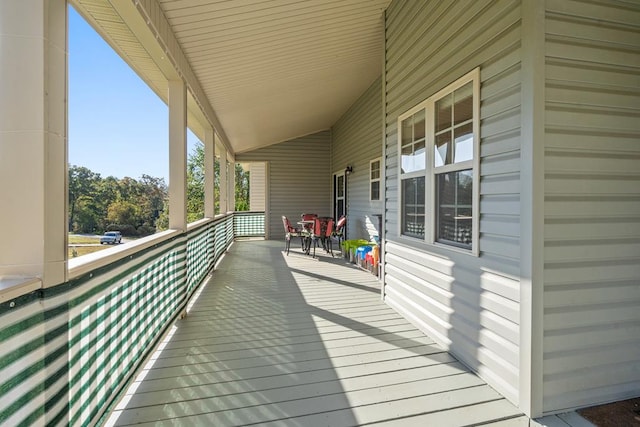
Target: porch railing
(67, 351)
(248, 224)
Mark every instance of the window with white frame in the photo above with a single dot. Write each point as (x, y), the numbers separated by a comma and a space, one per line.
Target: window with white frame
(412, 173)
(374, 179)
(439, 140)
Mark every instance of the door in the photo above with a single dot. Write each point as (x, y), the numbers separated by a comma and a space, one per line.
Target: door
(339, 195)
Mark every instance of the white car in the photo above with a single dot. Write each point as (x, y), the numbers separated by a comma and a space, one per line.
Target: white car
(111, 238)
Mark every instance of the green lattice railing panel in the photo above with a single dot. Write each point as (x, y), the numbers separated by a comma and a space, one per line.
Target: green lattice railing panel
(114, 323)
(222, 236)
(66, 351)
(200, 255)
(22, 362)
(248, 224)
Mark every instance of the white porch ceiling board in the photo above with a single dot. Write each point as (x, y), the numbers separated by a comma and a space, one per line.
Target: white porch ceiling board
(314, 110)
(279, 69)
(228, 77)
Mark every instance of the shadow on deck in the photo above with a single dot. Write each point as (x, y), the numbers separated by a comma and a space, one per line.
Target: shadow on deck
(293, 341)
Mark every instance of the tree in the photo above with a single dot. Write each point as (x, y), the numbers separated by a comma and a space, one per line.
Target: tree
(129, 205)
(242, 188)
(155, 193)
(195, 183)
(87, 217)
(162, 223)
(195, 188)
(107, 192)
(122, 212)
(140, 207)
(82, 185)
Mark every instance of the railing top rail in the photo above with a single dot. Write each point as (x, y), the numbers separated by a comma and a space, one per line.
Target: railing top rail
(248, 212)
(87, 263)
(12, 288)
(206, 221)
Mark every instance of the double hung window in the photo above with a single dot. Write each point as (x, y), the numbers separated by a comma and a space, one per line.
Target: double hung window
(374, 179)
(439, 157)
(412, 157)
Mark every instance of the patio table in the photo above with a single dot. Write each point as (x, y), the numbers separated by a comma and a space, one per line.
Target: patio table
(307, 230)
(311, 233)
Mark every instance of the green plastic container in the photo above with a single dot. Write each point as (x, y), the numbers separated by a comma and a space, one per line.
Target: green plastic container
(349, 247)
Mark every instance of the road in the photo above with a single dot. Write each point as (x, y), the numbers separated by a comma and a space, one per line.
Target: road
(97, 237)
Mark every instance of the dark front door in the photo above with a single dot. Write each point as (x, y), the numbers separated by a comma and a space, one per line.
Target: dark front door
(339, 195)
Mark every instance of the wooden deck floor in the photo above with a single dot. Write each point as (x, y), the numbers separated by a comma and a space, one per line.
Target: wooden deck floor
(293, 341)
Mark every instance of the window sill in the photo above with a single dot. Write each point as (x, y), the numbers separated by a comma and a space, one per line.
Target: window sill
(436, 247)
(453, 248)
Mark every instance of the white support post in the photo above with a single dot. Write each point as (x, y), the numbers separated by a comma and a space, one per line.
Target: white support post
(177, 155)
(532, 208)
(232, 182)
(33, 171)
(209, 173)
(33, 140)
(383, 164)
(223, 181)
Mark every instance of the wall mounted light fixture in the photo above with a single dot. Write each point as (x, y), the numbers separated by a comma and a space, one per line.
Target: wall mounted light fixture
(348, 169)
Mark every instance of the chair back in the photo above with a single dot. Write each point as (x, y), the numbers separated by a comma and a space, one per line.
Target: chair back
(342, 221)
(309, 216)
(317, 227)
(329, 231)
(287, 225)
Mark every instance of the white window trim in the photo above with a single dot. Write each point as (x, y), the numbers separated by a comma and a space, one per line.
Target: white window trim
(379, 179)
(430, 172)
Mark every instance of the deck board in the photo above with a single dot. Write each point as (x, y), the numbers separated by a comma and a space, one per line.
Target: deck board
(293, 341)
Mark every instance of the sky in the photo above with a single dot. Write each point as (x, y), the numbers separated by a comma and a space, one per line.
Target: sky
(117, 124)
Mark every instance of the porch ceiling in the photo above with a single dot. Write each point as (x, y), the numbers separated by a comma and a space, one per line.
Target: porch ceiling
(273, 70)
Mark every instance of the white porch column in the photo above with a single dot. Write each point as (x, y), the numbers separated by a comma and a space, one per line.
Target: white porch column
(33, 140)
(232, 183)
(209, 173)
(532, 209)
(177, 155)
(223, 181)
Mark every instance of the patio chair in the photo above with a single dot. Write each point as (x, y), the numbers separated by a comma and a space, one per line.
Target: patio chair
(338, 233)
(308, 217)
(289, 232)
(322, 230)
(328, 246)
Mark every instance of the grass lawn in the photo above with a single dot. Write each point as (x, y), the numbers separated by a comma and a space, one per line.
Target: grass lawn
(83, 250)
(79, 239)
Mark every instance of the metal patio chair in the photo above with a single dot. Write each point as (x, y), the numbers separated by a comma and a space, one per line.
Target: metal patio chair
(338, 233)
(322, 231)
(289, 232)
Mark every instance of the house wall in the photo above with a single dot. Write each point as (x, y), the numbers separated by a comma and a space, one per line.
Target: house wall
(356, 141)
(257, 186)
(592, 203)
(468, 304)
(298, 174)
